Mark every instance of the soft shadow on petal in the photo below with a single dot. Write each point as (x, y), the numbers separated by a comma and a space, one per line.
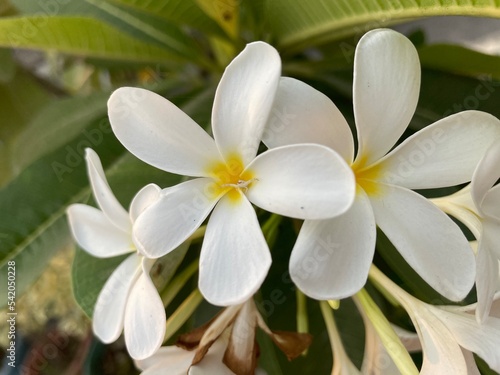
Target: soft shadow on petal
(174, 217)
(491, 203)
(429, 240)
(304, 181)
(443, 154)
(302, 114)
(212, 362)
(109, 310)
(234, 256)
(331, 258)
(486, 276)
(385, 91)
(94, 232)
(103, 194)
(148, 195)
(487, 173)
(243, 100)
(144, 325)
(159, 133)
(168, 358)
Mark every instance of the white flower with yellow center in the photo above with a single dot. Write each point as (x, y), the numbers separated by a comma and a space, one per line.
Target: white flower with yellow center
(301, 181)
(331, 257)
(129, 301)
(478, 207)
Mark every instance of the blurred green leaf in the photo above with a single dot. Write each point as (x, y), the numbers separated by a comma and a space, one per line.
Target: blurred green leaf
(7, 66)
(297, 24)
(77, 36)
(459, 60)
(55, 125)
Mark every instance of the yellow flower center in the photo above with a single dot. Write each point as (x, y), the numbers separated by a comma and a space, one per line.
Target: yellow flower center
(230, 178)
(367, 177)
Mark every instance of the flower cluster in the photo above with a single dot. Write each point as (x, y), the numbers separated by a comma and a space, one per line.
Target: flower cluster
(312, 171)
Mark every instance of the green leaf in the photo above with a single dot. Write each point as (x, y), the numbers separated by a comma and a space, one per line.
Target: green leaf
(181, 12)
(77, 36)
(297, 24)
(55, 125)
(459, 60)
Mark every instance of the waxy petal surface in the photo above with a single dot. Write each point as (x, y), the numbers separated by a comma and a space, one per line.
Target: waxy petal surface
(331, 258)
(148, 195)
(159, 133)
(103, 194)
(174, 217)
(234, 256)
(304, 181)
(302, 114)
(243, 100)
(443, 154)
(109, 310)
(429, 240)
(144, 325)
(486, 174)
(385, 91)
(93, 231)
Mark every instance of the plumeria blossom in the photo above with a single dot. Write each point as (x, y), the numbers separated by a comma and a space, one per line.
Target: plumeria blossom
(478, 206)
(448, 334)
(331, 258)
(129, 301)
(236, 327)
(304, 181)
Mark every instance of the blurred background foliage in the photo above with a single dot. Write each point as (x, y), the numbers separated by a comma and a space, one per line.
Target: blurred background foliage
(60, 60)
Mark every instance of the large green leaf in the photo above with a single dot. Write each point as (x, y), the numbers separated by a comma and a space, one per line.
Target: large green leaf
(297, 24)
(78, 36)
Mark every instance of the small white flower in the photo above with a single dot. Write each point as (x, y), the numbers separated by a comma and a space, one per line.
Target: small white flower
(478, 206)
(331, 258)
(301, 181)
(129, 301)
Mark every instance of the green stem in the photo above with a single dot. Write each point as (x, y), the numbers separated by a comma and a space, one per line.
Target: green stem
(174, 286)
(302, 317)
(182, 314)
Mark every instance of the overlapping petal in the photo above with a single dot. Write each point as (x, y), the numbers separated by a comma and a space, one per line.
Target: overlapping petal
(148, 195)
(175, 216)
(243, 100)
(486, 174)
(109, 310)
(302, 114)
(159, 133)
(103, 194)
(93, 231)
(331, 258)
(443, 154)
(234, 257)
(144, 324)
(303, 181)
(486, 276)
(385, 91)
(491, 203)
(429, 241)
(212, 362)
(168, 358)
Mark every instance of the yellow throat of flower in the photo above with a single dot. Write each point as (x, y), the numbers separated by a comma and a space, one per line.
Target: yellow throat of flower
(367, 177)
(230, 177)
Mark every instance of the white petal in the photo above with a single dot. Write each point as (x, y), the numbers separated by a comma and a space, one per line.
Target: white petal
(109, 310)
(304, 181)
(442, 154)
(491, 203)
(385, 92)
(171, 358)
(482, 339)
(486, 174)
(159, 133)
(442, 354)
(243, 100)
(331, 258)
(148, 195)
(144, 326)
(174, 217)
(429, 241)
(302, 114)
(486, 276)
(234, 257)
(103, 194)
(471, 363)
(94, 232)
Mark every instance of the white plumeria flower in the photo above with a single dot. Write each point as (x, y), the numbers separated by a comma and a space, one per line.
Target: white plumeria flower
(331, 258)
(129, 301)
(478, 206)
(300, 181)
(448, 334)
